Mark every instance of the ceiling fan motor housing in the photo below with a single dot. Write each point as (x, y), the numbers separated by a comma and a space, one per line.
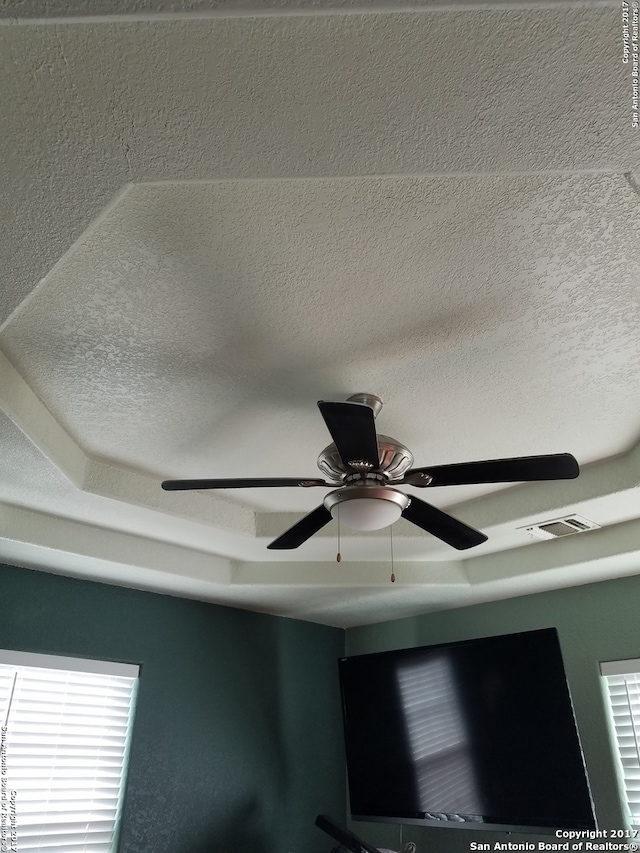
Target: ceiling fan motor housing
(395, 461)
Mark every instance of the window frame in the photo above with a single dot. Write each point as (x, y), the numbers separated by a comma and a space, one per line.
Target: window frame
(618, 670)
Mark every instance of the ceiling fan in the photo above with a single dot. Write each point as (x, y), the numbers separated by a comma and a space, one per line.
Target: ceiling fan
(365, 466)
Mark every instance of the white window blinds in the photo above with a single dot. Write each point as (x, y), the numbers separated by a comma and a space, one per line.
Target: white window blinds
(622, 679)
(66, 728)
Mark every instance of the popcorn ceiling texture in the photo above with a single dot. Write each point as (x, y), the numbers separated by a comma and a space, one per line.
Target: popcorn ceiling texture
(88, 108)
(59, 9)
(179, 333)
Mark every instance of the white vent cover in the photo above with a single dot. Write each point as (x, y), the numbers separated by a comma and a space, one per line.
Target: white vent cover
(555, 527)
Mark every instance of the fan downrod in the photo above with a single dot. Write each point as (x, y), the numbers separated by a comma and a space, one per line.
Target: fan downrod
(374, 402)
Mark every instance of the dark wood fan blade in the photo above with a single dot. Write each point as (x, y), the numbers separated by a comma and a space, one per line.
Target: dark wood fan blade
(442, 525)
(353, 430)
(302, 530)
(556, 466)
(254, 483)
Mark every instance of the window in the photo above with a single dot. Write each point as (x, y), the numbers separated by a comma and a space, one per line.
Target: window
(66, 725)
(622, 679)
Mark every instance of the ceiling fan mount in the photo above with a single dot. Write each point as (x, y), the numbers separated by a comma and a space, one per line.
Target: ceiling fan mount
(366, 465)
(372, 400)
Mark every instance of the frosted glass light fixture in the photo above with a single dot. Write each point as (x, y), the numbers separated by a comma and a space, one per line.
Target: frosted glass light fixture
(366, 507)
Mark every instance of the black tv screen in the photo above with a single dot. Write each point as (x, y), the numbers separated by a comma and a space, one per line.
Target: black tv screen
(474, 732)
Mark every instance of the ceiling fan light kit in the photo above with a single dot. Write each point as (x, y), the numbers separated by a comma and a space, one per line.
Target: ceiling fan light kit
(367, 507)
(365, 465)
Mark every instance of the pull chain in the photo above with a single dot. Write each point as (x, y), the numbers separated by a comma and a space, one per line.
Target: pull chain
(393, 577)
(338, 555)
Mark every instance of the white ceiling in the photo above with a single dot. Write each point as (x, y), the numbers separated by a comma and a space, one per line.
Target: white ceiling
(217, 213)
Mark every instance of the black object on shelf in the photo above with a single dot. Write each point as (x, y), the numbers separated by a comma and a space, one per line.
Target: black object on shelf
(343, 836)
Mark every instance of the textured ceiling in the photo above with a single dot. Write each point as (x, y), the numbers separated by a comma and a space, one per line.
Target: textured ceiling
(216, 214)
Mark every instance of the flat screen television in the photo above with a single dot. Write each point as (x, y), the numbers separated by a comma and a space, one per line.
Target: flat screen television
(473, 734)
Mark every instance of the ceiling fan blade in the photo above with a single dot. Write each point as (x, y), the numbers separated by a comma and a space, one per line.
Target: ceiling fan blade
(555, 466)
(442, 525)
(353, 430)
(254, 483)
(302, 530)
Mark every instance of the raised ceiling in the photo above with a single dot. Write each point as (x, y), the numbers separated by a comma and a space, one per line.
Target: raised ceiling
(216, 214)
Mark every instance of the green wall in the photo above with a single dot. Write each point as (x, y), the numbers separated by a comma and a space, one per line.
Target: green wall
(595, 623)
(237, 742)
